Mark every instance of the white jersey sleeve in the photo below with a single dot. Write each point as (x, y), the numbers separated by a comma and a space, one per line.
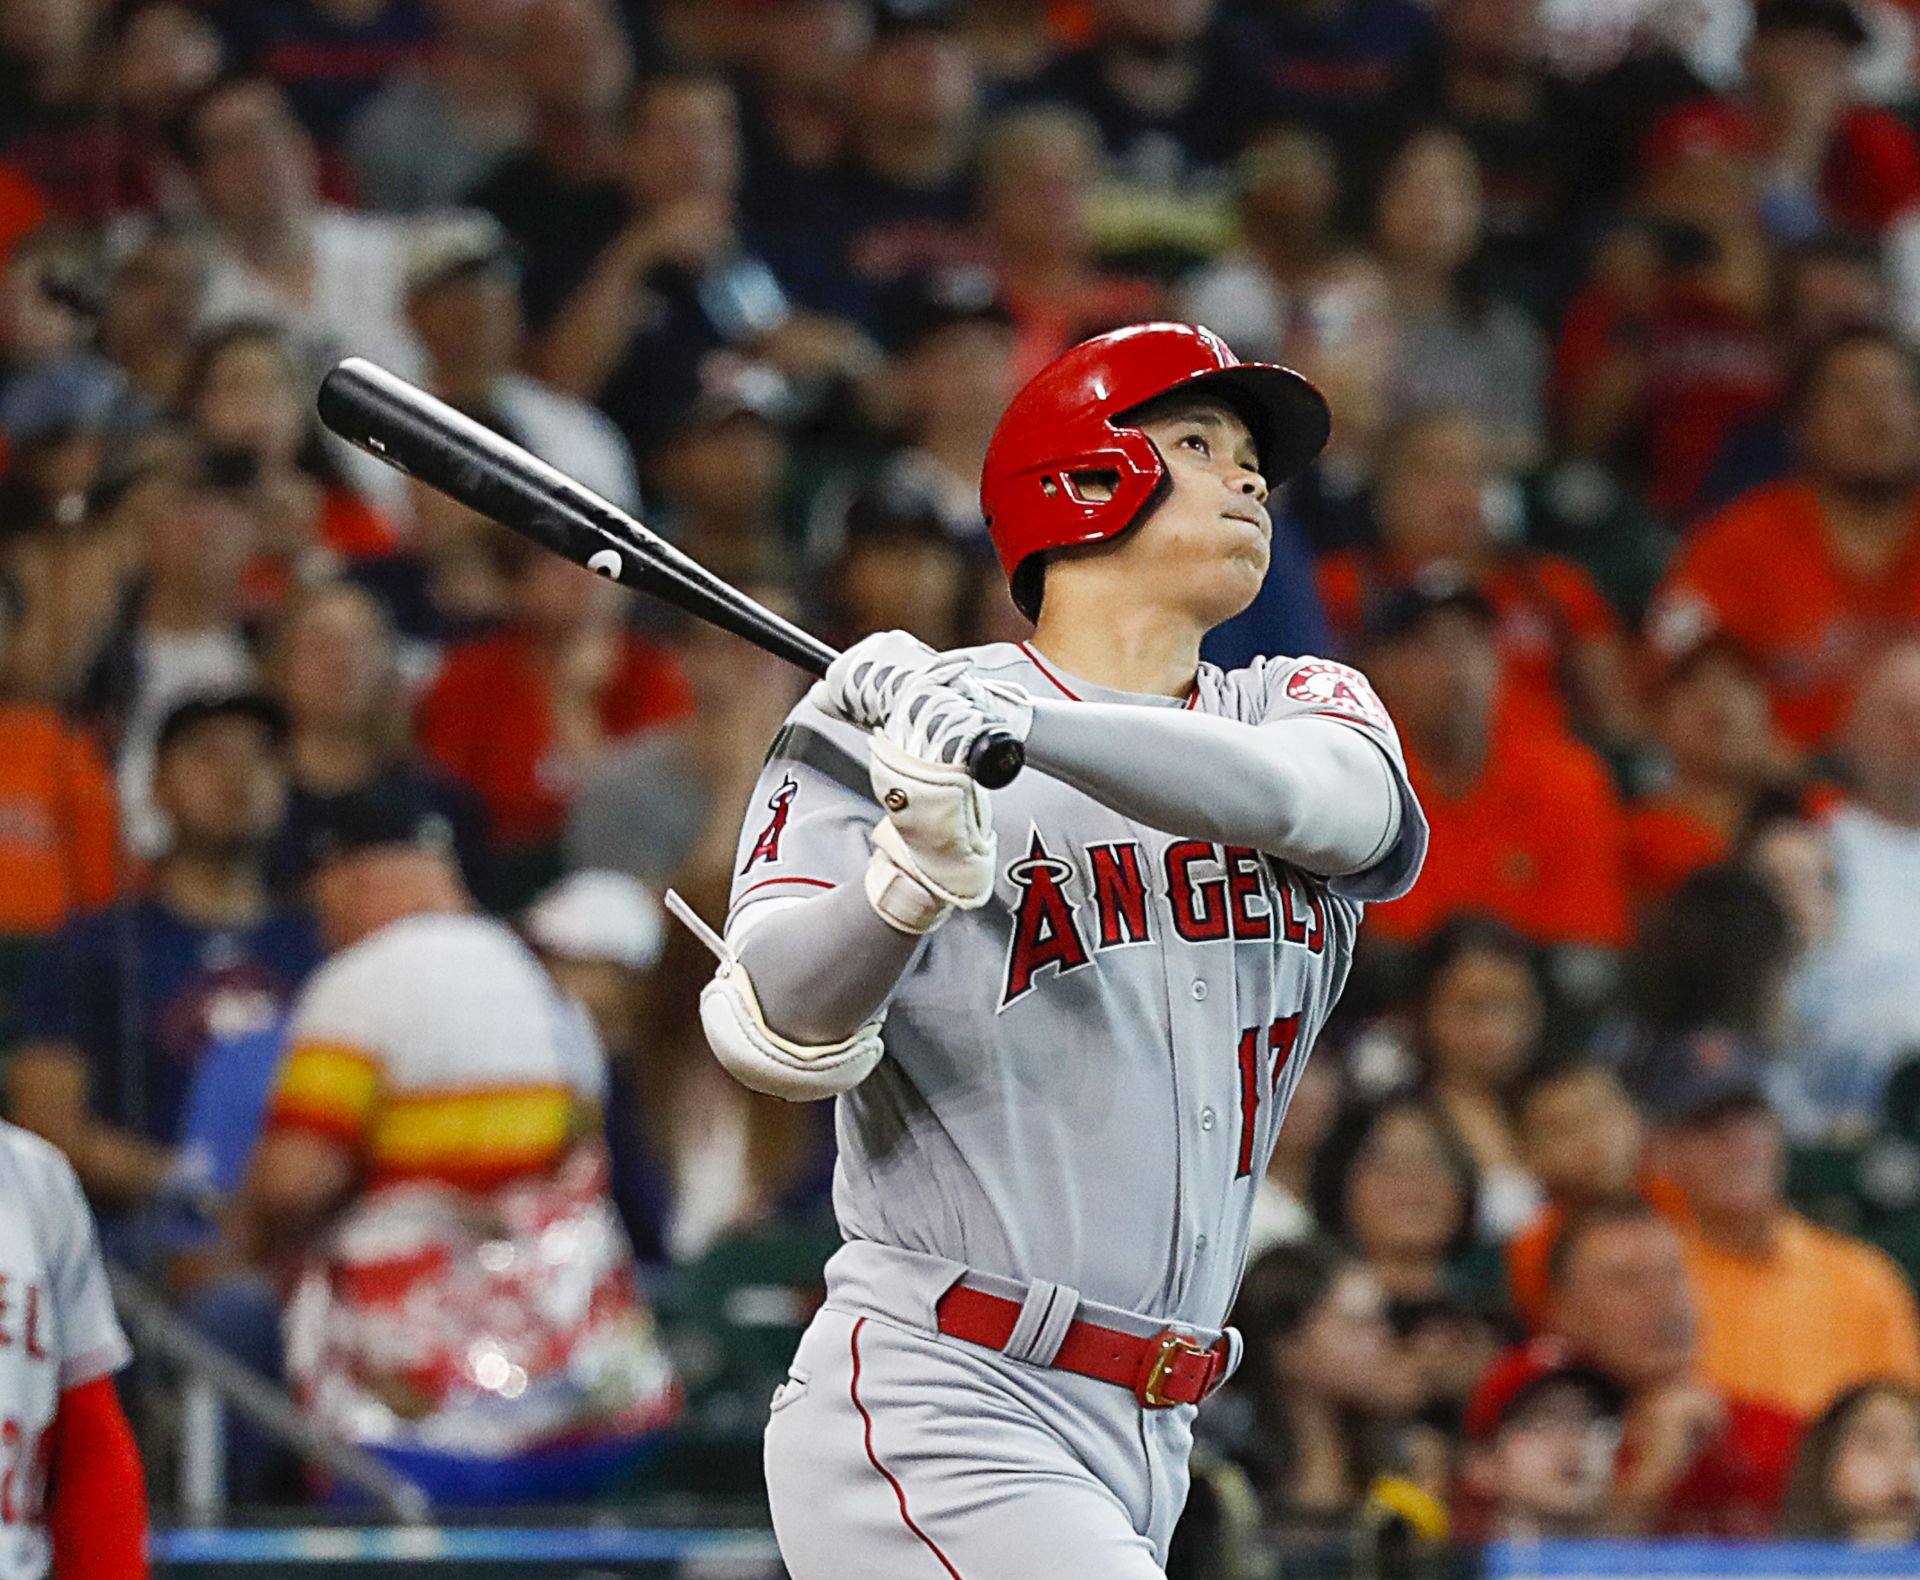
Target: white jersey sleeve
(1274, 690)
(807, 823)
(90, 1339)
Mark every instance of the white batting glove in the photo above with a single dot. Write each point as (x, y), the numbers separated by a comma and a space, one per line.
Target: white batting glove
(940, 713)
(861, 684)
(935, 850)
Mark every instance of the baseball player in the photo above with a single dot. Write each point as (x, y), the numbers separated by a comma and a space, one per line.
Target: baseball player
(72, 1496)
(1098, 985)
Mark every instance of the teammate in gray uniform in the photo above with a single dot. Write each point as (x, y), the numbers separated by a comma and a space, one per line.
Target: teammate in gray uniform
(1063, 1022)
(72, 1495)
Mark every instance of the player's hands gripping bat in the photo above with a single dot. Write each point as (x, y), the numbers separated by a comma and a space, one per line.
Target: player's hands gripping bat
(409, 429)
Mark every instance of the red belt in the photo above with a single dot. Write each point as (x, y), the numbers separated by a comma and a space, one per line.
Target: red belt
(1168, 1369)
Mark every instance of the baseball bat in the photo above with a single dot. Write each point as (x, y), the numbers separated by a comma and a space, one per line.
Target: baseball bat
(402, 425)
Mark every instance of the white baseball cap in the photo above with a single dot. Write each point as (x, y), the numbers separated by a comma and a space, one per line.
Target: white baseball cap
(599, 915)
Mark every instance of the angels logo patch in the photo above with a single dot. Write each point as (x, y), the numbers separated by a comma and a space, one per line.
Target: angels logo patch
(767, 846)
(1333, 688)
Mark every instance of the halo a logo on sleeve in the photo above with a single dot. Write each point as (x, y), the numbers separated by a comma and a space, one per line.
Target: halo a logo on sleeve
(767, 846)
(1334, 688)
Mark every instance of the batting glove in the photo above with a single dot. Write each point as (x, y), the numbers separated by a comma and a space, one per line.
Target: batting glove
(861, 684)
(941, 712)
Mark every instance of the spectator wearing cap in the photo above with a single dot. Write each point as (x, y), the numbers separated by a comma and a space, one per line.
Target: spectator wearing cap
(1437, 503)
(1829, 159)
(434, 1080)
(1666, 348)
(1858, 1019)
(1542, 1433)
(333, 664)
(521, 717)
(1813, 575)
(1716, 740)
(1038, 169)
(1456, 343)
(330, 275)
(1697, 1458)
(600, 934)
(899, 200)
(245, 398)
(1790, 1313)
(718, 473)
(120, 1008)
(1532, 828)
(430, 132)
(463, 303)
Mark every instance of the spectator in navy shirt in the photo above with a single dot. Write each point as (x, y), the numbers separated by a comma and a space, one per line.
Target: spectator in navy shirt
(118, 1012)
(900, 201)
(331, 56)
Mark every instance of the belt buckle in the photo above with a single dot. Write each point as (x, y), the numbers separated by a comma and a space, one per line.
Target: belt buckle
(1170, 1345)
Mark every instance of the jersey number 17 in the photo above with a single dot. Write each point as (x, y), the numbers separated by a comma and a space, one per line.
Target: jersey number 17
(1281, 1038)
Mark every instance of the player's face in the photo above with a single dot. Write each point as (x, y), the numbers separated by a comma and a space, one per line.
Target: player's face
(1210, 537)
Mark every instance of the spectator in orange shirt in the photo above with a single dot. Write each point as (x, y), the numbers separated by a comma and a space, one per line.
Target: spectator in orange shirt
(520, 716)
(58, 832)
(1697, 1458)
(1815, 575)
(1560, 645)
(1527, 826)
(1713, 727)
(1791, 1313)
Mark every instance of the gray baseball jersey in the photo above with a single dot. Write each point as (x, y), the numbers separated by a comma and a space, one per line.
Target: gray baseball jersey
(57, 1330)
(1084, 1079)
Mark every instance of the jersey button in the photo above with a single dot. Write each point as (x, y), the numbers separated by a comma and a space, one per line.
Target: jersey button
(1199, 991)
(1206, 1119)
(1200, 1245)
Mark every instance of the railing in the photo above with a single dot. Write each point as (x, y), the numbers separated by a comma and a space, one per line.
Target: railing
(215, 1383)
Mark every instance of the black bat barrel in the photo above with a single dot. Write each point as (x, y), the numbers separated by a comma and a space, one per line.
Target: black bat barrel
(407, 428)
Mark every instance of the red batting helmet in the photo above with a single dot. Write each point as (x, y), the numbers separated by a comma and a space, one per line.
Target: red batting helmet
(1071, 418)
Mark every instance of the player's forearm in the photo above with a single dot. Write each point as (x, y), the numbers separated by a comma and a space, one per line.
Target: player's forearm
(1313, 792)
(824, 966)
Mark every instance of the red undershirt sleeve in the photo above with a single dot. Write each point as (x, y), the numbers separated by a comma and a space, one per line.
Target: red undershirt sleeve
(96, 1492)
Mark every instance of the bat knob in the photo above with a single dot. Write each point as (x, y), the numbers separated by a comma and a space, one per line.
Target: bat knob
(996, 760)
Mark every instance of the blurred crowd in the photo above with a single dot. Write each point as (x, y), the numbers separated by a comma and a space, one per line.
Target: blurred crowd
(333, 819)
